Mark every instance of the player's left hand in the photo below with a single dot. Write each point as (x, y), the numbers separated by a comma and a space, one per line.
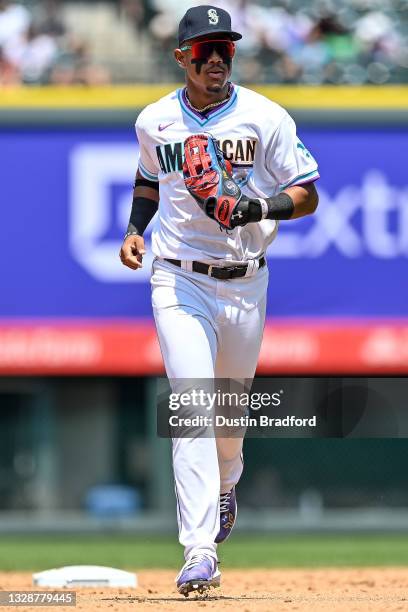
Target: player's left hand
(246, 211)
(208, 178)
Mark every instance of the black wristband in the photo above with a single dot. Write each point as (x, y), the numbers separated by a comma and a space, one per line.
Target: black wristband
(280, 207)
(143, 211)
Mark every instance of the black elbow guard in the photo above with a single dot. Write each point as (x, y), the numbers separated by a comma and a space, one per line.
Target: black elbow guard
(141, 182)
(143, 211)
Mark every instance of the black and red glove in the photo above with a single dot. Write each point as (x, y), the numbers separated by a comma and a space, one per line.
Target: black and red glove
(208, 178)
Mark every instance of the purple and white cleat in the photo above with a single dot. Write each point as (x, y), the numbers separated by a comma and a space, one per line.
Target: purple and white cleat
(228, 515)
(198, 574)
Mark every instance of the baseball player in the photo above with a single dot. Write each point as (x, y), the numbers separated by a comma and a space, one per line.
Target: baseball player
(223, 166)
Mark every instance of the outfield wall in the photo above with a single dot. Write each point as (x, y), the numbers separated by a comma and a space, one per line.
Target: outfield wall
(337, 298)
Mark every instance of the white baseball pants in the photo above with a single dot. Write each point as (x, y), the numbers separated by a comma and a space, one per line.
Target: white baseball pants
(207, 328)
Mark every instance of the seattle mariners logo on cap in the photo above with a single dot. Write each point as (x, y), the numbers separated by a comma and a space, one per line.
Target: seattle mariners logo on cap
(213, 16)
(206, 19)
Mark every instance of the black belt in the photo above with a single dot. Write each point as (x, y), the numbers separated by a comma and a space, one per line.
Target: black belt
(217, 271)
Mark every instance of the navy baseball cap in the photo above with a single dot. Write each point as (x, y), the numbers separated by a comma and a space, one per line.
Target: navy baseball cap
(206, 19)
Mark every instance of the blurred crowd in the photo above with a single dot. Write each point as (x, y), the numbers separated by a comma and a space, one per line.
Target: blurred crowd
(320, 41)
(284, 41)
(37, 48)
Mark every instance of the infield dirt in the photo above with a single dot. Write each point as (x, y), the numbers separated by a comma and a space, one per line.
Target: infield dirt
(368, 589)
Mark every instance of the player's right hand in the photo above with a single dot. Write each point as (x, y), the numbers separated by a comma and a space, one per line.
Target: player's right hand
(132, 251)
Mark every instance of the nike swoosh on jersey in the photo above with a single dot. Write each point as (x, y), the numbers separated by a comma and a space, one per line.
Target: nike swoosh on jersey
(166, 125)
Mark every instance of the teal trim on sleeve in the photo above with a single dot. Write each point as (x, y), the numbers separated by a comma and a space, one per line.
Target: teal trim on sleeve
(146, 174)
(301, 177)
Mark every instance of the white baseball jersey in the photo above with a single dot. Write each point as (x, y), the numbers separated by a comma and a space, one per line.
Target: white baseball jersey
(223, 320)
(256, 135)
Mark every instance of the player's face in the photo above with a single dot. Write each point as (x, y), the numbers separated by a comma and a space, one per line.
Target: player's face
(207, 61)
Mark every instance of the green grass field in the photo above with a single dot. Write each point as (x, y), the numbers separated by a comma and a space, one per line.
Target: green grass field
(264, 551)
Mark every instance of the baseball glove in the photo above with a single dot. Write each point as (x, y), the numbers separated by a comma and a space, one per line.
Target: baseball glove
(208, 178)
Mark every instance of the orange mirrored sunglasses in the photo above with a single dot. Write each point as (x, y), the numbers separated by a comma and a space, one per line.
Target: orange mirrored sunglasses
(203, 49)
